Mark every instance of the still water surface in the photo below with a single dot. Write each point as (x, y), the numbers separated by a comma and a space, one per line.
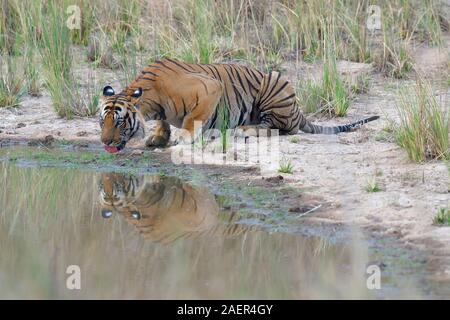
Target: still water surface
(160, 237)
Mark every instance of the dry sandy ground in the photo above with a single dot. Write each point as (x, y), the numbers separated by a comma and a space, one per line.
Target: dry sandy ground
(336, 167)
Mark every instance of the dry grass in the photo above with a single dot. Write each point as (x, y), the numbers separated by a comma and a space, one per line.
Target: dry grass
(126, 35)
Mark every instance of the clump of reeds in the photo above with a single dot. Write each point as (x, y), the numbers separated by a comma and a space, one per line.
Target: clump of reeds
(331, 96)
(11, 82)
(29, 14)
(67, 96)
(57, 61)
(423, 130)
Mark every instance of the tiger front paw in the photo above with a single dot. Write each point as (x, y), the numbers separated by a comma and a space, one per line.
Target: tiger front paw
(248, 131)
(156, 141)
(244, 131)
(182, 137)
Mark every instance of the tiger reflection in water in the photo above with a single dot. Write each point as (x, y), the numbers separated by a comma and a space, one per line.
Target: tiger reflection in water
(164, 209)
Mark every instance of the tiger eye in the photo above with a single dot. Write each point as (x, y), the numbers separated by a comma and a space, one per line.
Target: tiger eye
(136, 215)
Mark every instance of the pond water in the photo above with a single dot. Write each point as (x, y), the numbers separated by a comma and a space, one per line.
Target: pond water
(155, 236)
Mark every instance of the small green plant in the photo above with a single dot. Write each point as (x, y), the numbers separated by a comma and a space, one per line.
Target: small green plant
(424, 124)
(12, 82)
(372, 186)
(442, 217)
(286, 167)
(294, 140)
(162, 174)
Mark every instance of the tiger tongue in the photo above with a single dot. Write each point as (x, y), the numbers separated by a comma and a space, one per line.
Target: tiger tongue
(111, 149)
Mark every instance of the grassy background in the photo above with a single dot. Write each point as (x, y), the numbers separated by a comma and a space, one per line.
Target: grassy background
(40, 53)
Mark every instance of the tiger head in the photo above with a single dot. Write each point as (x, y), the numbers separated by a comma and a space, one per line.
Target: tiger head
(117, 191)
(120, 119)
(163, 209)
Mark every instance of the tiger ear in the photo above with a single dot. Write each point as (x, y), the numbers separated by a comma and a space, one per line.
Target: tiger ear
(137, 93)
(108, 91)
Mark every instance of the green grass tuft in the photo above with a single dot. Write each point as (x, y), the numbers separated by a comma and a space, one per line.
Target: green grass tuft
(372, 186)
(442, 217)
(424, 124)
(286, 167)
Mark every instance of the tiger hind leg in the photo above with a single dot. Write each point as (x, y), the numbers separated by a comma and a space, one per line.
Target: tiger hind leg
(277, 108)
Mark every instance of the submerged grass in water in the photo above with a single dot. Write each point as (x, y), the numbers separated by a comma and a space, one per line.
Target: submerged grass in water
(75, 158)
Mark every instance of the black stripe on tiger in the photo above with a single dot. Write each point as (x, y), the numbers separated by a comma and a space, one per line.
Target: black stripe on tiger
(252, 99)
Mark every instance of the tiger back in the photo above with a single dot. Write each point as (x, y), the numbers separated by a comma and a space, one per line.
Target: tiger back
(180, 94)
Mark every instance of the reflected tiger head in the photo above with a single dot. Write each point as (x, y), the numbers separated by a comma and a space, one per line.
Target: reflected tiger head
(162, 208)
(116, 191)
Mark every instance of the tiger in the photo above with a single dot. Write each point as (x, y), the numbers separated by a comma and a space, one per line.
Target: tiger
(165, 209)
(180, 94)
